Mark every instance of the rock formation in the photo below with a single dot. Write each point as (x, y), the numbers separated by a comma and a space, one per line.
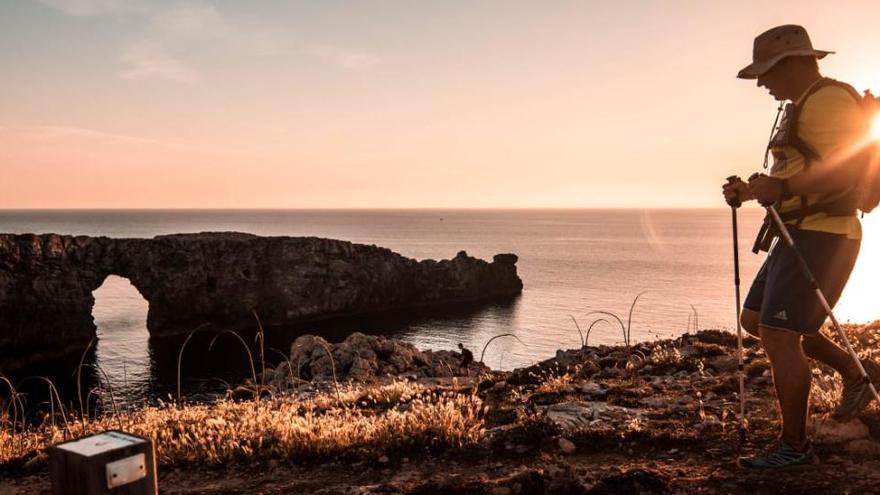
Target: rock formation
(46, 283)
(364, 357)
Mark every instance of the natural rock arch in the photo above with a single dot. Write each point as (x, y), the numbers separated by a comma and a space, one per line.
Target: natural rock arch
(47, 283)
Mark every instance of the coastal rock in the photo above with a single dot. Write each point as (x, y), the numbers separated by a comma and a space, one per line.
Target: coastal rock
(724, 364)
(222, 279)
(364, 357)
(579, 414)
(312, 353)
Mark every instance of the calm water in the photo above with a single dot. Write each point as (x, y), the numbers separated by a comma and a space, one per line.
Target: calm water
(571, 262)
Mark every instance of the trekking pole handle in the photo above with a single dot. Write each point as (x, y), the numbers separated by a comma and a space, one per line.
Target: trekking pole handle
(736, 203)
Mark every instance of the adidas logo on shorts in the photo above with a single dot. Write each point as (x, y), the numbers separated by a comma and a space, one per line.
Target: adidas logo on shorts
(781, 316)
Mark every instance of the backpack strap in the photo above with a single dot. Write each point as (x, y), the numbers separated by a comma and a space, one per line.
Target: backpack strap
(842, 205)
(845, 204)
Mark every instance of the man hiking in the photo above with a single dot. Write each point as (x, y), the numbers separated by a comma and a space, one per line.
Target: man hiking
(819, 129)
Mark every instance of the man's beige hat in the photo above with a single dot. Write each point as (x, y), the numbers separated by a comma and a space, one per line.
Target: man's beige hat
(774, 45)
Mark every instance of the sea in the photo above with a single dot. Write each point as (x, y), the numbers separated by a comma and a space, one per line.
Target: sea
(663, 272)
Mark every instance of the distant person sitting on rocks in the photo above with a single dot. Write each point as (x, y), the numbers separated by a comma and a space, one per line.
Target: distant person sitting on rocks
(467, 357)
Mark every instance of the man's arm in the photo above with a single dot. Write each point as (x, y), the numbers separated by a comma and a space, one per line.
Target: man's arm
(835, 174)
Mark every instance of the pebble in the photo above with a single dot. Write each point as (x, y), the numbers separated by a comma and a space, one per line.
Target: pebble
(593, 388)
(35, 461)
(499, 386)
(724, 364)
(567, 446)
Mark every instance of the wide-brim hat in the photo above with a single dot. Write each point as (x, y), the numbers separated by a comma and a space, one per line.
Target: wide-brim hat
(774, 45)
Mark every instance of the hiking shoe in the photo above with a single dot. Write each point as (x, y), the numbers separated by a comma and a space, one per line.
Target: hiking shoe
(856, 394)
(782, 457)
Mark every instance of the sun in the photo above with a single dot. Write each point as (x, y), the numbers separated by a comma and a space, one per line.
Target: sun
(875, 127)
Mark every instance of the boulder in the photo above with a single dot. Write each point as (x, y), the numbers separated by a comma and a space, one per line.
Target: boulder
(362, 369)
(724, 364)
(364, 357)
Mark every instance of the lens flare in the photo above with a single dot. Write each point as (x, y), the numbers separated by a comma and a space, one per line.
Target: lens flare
(875, 128)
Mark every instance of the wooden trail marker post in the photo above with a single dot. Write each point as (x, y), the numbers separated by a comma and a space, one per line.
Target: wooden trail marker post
(112, 462)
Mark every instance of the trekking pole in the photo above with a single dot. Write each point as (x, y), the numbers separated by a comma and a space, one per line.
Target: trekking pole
(815, 285)
(739, 338)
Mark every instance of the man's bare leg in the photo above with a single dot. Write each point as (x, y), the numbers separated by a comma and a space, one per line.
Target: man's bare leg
(818, 347)
(821, 348)
(791, 378)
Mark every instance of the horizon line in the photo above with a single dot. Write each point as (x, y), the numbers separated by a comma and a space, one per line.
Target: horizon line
(371, 208)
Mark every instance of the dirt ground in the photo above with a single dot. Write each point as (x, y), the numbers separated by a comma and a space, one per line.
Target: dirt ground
(657, 418)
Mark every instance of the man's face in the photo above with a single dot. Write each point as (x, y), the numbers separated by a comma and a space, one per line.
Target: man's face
(776, 81)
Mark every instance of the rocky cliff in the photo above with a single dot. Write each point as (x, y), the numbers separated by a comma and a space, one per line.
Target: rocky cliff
(46, 283)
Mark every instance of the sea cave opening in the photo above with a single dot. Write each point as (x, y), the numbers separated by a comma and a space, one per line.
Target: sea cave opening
(122, 351)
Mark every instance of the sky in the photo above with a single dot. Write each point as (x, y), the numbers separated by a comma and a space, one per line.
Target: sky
(394, 104)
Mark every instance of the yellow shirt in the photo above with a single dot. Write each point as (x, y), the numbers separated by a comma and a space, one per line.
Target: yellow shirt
(830, 121)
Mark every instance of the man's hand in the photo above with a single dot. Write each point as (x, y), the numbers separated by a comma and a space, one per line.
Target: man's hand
(736, 191)
(767, 190)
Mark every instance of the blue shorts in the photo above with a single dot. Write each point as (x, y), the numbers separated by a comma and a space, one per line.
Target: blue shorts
(781, 292)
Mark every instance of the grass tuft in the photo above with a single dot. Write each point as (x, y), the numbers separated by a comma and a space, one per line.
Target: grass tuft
(590, 328)
(82, 358)
(616, 318)
(578, 327)
(180, 356)
(483, 354)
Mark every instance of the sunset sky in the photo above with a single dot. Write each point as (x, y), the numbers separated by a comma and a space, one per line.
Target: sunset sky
(402, 104)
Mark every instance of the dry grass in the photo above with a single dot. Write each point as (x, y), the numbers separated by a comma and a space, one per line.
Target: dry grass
(356, 420)
(827, 385)
(826, 390)
(284, 427)
(556, 383)
(664, 354)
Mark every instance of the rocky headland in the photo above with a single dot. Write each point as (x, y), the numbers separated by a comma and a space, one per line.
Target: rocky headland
(222, 279)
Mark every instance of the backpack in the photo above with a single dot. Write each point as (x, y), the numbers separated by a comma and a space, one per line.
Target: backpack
(864, 194)
(869, 188)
